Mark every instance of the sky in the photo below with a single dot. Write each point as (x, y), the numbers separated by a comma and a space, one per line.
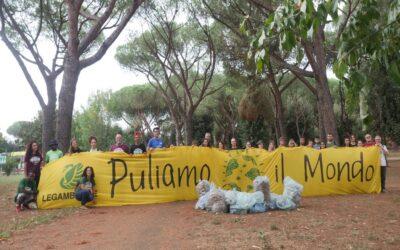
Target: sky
(18, 102)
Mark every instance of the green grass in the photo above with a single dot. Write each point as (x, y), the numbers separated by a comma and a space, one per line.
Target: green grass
(12, 179)
(47, 217)
(8, 185)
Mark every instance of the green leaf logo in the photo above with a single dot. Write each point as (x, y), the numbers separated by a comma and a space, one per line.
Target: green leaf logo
(253, 173)
(72, 175)
(249, 158)
(232, 164)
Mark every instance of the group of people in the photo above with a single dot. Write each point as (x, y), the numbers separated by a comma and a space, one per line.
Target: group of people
(85, 191)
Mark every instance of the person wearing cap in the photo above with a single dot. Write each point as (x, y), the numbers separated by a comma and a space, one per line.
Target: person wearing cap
(156, 141)
(138, 147)
(26, 193)
(54, 153)
(119, 146)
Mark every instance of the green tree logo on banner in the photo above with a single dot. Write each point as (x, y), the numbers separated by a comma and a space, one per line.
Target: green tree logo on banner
(73, 173)
(238, 165)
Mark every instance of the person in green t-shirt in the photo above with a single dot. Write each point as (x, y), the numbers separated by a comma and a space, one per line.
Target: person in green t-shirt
(85, 191)
(26, 193)
(54, 153)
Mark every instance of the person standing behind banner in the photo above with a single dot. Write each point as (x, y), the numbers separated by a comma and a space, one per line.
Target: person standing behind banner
(205, 143)
(234, 143)
(207, 136)
(302, 141)
(93, 144)
(156, 141)
(85, 191)
(33, 161)
(292, 143)
(383, 154)
(317, 143)
(74, 147)
(353, 141)
(330, 143)
(54, 153)
(221, 145)
(346, 142)
(368, 141)
(119, 146)
(137, 147)
(271, 146)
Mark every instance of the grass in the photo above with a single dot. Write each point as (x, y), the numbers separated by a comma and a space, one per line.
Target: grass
(266, 243)
(10, 222)
(45, 218)
(8, 180)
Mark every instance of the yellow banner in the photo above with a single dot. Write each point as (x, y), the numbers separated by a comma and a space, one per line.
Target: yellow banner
(171, 174)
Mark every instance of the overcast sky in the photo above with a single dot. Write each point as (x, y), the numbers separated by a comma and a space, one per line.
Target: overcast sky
(18, 103)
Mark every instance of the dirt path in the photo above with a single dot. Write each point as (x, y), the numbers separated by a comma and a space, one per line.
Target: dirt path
(334, 222)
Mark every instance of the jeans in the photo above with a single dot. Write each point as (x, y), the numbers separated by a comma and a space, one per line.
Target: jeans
(383, 177)
(84, 196)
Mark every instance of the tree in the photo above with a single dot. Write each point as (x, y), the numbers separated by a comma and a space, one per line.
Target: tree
(95, 120)
(235, 50)
(76, 30)
(178, 58)
(140, 106)
(27, 131)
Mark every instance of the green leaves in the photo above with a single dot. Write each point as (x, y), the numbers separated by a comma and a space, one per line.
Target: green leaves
(250, 158)
(253, 173)
(339, 68)
(394, 71)
(72, 175)
(232, 164)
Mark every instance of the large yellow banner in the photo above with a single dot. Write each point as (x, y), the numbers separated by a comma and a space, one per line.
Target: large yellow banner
(166, 175)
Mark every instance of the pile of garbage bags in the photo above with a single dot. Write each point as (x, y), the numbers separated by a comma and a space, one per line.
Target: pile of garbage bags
(214, 199)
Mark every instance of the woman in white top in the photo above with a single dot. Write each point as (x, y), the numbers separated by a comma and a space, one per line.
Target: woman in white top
(384, 154)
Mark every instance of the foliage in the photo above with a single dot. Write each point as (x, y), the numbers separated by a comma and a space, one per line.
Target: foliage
(6, 146)
(94, 120)
(27, 131)
(140, 106)
(10, 165)
(178, 57)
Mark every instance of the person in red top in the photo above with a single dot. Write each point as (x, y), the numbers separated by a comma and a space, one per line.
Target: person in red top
(368, 141)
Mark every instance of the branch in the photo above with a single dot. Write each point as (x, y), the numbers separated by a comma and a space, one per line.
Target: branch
(280, 62)
(110, 40)
(94, 31)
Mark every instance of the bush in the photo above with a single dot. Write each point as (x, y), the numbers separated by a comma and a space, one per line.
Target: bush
(10, 165)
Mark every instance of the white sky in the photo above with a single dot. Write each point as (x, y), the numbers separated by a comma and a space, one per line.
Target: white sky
(18, 102)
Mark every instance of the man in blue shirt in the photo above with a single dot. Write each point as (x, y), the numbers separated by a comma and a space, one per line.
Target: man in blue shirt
(156, 141)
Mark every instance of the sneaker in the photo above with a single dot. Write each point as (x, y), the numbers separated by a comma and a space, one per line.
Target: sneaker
(383, 190)
(32, 205)
(18, 209)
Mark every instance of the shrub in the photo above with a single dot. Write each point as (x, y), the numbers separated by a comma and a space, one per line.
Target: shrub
(10, 165)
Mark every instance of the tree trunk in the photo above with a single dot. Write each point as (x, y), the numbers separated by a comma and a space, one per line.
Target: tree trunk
(48, 128)
(317, 57)
(70, 78)
(66, 104)
(189, 129)
(280, 117)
